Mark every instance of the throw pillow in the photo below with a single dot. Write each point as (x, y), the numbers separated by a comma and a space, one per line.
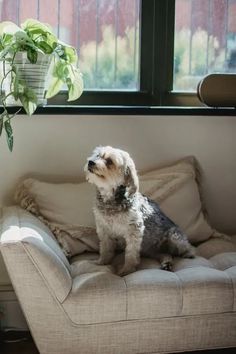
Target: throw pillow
(177, 189)
(67, 208)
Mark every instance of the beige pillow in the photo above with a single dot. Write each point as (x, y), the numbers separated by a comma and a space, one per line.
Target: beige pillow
(67, 207)
(176, 188)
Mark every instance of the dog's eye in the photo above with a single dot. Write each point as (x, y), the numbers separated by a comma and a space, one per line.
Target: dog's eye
(109, 162)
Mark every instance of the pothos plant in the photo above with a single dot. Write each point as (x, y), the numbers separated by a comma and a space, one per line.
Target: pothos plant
(34, 38)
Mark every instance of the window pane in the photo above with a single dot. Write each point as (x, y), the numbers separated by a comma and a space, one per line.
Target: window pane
(105, 32)
(205, 40)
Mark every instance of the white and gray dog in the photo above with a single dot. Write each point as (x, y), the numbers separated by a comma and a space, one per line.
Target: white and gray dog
(122, 213)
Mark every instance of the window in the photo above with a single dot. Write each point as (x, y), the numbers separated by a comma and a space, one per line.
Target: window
(205, 40)
(137, 52)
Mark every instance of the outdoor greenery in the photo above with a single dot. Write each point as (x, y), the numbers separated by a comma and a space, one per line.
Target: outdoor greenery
(113, 63)
(34, 38)
(195, 56)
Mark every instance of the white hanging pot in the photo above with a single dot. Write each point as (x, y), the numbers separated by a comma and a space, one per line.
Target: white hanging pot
(34, 75)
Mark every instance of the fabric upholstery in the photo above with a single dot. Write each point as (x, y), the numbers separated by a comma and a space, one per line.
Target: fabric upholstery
(214, 246)
(177, 189)
(40, 247)
(66, 208)
(149, 311)
(197, 286)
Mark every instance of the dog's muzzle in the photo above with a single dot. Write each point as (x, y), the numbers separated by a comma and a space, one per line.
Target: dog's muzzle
(91, 165)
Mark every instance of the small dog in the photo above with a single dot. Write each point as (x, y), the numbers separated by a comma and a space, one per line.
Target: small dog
(124, 214)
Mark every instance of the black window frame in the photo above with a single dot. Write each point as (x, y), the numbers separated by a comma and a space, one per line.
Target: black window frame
(156, 95)
(156, 66)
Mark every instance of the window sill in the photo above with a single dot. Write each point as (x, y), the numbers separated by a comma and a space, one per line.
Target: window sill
(129, 110)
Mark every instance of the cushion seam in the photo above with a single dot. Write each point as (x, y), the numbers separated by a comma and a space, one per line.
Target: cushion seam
(232, 285)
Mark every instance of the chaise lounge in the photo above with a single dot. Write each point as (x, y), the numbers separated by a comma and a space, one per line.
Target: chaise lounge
(74, 306)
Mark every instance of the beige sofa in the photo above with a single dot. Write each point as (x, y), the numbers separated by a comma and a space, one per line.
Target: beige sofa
(78, 308)
(75, 306)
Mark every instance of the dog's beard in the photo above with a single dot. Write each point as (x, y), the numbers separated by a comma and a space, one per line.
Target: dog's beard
(106, 183)
(95, 178)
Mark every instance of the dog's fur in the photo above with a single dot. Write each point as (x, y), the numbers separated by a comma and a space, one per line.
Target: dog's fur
(124, 214)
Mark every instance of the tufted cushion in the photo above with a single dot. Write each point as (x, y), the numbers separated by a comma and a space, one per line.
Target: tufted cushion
(89, 293)
(197, 286)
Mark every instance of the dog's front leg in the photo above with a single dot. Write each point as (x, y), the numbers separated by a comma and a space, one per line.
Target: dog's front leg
(132, 253)
(107, 249)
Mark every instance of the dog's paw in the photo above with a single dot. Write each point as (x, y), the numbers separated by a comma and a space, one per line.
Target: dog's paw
(125, 271)
(98, 261)
(190, 253)
(167, 265)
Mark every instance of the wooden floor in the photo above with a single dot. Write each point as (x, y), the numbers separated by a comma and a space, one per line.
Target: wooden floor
(17, 342)
(28, 347)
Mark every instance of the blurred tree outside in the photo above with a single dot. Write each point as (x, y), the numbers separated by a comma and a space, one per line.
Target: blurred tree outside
(113, 62)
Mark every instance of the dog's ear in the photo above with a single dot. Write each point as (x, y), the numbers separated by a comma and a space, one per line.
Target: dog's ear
(131, 177)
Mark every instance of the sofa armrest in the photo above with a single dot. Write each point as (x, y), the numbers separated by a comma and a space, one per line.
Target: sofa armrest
(25, 238)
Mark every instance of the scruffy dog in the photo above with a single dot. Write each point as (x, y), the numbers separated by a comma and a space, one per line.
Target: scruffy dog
(124, 214)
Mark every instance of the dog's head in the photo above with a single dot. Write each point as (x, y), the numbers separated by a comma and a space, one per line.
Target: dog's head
(110, 168)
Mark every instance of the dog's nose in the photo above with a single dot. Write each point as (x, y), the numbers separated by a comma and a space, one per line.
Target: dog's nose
(91, 163)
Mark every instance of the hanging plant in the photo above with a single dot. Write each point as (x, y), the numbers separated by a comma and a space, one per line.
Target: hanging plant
(26, 54)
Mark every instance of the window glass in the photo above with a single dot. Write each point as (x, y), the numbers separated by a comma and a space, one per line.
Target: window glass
(105, 32)
(205, 40)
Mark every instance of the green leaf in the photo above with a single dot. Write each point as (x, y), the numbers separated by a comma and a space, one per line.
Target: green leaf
(35, 31)
(74, 83)
(5, 52)
(16, 87)
(8, 27)
(29, 100)
(1, 125)
(66, 52)
(75, 90)
(9, 134)
(33, 25)
(35, 28)
(7, 39)
(46, 48)
(60, 70)
(29, 106)
(55, 87)
(32, 55)
(71, 54)
(19, 86)
(1, 44)
(23, 41)
(60, 52)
